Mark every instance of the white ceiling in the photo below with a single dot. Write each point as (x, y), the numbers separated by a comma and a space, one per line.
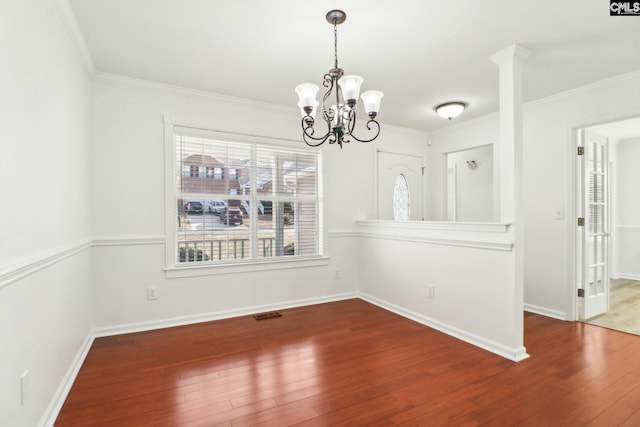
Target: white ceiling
(419, 52)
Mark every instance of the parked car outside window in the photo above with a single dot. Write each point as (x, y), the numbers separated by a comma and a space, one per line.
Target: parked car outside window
(232, 215)
(217, 206)
(193, 207)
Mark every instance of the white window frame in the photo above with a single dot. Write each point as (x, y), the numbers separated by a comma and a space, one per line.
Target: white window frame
(173, 269)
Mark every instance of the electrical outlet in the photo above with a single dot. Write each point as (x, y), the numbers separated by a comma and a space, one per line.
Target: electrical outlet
(431, 291)
(152, 293)
(24, 387)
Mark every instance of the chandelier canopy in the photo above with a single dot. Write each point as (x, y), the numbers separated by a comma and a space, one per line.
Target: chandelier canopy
(339, 102)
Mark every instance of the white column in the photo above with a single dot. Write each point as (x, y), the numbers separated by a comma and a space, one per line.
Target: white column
(508, 175)
(508, 164)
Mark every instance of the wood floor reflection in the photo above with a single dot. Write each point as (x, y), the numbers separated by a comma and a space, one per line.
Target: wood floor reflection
(624, 307)
(350, 363)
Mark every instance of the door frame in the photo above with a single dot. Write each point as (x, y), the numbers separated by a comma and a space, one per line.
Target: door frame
(573, 264)
(376, 153)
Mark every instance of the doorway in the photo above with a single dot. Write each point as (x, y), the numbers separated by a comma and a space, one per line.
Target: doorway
(613, 268)
(390, 167)
(469, 184)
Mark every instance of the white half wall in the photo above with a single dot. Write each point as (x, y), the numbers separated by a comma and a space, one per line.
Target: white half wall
(469, 268)
(45, 261)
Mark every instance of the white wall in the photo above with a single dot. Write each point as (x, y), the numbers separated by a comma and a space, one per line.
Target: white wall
(549, 150)
(45, 292)
(128, 203)
(470, 135)
(473, 187)
(549, 158)
(626, 210)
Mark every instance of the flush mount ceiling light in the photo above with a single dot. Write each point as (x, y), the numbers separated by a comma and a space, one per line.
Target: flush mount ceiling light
(450, 110)
(339, 102)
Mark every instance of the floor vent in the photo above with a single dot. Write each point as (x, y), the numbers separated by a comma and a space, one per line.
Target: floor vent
(269, 315)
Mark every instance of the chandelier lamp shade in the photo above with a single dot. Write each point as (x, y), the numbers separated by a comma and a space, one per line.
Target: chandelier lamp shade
(450, 110)
(339, 102)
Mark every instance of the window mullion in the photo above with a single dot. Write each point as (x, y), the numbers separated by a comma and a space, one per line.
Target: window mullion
(278, 207)
(253, 204)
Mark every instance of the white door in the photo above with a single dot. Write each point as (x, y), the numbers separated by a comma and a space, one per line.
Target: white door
(390, 166)
(593, 234)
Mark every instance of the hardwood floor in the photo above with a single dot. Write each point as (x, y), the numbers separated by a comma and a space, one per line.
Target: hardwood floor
(350, 363)
(624, 307)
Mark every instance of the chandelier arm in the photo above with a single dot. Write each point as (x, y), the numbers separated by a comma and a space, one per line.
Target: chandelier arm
(327, 113)
(351, 121)
(328, 81)
(308, 131)
(311, 142)
(369, 128)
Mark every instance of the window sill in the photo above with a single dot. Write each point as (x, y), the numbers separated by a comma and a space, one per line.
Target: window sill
(243, 267)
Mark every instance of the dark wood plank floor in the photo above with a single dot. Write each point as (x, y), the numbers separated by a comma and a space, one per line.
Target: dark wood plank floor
(350, 363)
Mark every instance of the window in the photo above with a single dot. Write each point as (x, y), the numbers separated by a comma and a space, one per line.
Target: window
(267, 207)
(193, 171)
(401, 202)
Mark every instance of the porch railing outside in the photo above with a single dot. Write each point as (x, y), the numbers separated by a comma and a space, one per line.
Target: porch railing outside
(216, 249)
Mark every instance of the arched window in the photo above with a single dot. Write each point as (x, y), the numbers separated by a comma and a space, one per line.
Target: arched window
(401, 200)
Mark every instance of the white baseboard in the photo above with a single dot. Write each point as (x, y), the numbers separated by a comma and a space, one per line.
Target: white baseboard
(218, 315)
(543, 311)
(51, 413)
(515, 354)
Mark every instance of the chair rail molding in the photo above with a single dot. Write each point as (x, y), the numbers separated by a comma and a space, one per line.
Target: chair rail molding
(24, 267)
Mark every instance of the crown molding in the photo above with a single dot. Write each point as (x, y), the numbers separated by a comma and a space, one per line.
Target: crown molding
(70, 23)
(582, 89)
(166, 87)
(182, 90)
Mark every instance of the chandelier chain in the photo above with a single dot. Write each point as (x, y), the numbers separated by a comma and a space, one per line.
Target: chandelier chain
(335, 43)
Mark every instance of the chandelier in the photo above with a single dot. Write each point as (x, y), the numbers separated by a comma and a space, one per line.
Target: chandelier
(339, 102)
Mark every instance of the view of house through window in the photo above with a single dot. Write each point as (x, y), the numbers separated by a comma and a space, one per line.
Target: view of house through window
(244, 201)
